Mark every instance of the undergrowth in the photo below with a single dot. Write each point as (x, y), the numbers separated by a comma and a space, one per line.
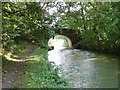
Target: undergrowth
(39, 73)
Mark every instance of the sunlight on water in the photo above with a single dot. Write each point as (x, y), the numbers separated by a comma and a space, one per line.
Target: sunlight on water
(86, 69)
(55, 55)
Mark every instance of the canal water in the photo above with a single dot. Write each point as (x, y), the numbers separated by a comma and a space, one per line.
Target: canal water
(86, 69)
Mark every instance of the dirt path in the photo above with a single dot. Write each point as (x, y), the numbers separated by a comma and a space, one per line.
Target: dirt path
(15, 70)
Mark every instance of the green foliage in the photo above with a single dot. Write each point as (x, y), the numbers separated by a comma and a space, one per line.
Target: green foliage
(97, 24)
(104, 32)
(24, 21)
(39, 73)
(57, 39)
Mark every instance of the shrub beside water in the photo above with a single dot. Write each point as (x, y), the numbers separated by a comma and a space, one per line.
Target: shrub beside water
(39, 73)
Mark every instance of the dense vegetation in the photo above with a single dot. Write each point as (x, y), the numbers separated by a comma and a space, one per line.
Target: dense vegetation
(96, 23)
(29, 22)
(24, 22)
(39, 73)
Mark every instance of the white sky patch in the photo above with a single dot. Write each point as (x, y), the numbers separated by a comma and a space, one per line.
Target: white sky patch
(52, 10)
(60, 0)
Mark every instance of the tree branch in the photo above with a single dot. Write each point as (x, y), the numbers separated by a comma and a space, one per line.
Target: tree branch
(92, 6)
(13, 12)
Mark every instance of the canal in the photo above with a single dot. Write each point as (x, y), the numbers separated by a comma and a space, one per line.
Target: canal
(86, 69)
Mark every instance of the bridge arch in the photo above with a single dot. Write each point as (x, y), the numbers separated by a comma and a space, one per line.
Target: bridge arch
(58, 40)
(71, 34)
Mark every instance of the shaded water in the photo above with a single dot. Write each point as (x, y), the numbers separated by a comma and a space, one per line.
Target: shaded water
(85, 69)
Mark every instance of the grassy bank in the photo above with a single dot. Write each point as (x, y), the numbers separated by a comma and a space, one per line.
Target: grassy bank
(39, 73)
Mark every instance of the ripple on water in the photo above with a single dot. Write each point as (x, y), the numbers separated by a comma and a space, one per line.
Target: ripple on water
(87, 69)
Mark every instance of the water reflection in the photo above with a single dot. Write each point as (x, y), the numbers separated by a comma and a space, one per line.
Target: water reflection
(86, 69)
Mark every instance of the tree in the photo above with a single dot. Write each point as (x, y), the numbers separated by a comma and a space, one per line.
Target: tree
(24, 21)
(96, 23)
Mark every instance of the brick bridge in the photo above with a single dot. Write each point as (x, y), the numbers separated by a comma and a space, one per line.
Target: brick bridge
(70, 33)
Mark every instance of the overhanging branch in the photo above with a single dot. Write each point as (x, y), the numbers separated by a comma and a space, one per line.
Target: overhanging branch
(13, 12)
